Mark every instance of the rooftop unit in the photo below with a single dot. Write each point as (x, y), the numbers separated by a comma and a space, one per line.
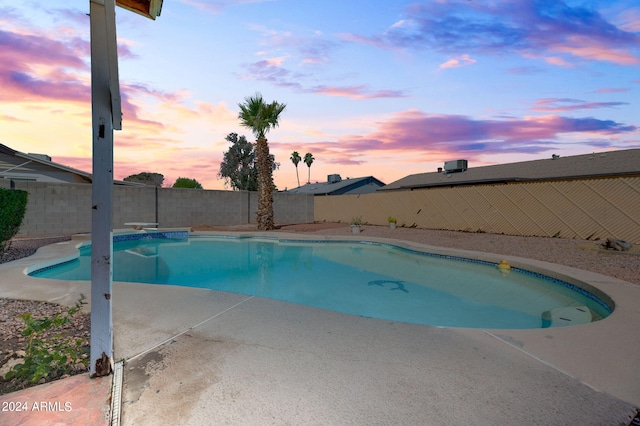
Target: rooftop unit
(333, 178)
(455, 166)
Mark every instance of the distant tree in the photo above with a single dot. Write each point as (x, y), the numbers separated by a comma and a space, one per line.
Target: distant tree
(183, 182)
(261, 117)
(308, 160)
(238, 166)
(147, 178)
(295, 159)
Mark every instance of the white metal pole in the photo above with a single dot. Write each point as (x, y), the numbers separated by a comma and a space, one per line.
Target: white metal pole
(102, 187)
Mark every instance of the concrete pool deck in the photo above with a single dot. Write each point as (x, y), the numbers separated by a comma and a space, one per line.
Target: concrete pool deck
(196, 356)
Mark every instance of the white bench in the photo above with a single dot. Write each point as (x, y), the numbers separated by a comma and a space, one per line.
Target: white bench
(140, 225)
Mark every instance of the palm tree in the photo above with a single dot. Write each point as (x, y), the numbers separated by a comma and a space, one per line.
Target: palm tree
(295, 158)
(260, 117)
(308, 159)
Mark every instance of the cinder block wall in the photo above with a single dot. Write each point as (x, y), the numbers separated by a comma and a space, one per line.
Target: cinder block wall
(133, 204)
(288, 208)
(65, 208)
(190, 207)
(54, 209)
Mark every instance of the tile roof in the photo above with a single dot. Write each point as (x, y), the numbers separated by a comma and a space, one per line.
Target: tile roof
(609, 163)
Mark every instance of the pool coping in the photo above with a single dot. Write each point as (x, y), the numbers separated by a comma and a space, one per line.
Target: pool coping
(603, 355)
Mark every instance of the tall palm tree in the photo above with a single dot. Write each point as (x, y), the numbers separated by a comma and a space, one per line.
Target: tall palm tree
(308, 159)
(295, 158)
(261, 117)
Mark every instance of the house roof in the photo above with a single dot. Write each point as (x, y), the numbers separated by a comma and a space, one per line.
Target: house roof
(341, 187)
(40, 159)
(610, 163)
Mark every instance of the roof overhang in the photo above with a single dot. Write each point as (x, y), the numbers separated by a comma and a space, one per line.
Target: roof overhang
(148, 8)
(505, 180)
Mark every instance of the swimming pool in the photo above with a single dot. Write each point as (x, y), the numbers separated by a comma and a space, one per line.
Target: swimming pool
(360, 278)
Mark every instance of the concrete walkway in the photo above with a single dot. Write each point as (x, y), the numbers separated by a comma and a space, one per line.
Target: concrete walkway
(196, 357)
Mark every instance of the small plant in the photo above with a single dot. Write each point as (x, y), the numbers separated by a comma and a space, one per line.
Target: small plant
(54, 357)
(392, 219)
(356, 220)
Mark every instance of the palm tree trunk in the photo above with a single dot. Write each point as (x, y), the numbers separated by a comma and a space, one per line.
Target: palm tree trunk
(297, 176)
(264, 214)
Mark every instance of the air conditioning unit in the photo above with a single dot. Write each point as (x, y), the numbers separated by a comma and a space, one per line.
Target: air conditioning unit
(455, 166)
(333, 178)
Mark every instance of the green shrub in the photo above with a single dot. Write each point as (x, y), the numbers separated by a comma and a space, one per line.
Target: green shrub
(51, 357)
(13, 204)
(183, 182)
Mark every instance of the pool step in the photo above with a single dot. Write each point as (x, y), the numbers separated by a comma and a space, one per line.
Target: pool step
(566, 316)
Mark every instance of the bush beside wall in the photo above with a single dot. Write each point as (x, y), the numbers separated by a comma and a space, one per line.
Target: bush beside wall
(13, 204)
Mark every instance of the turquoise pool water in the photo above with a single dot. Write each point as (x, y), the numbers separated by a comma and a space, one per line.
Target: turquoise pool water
(365, 279)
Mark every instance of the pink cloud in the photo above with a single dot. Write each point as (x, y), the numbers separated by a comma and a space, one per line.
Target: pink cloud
(566, 105)
(611, 90)
(586, 48)
(458, 62)
(272, 72)
(356, 92)
(80, 163)
(9, 118)
(35, 67)
(419, 133)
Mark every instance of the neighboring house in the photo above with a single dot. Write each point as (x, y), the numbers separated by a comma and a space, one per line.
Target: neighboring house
(18, 166)
(596, 165)
(335, 185)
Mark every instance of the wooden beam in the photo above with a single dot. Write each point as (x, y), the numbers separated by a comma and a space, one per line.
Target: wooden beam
(148, 8)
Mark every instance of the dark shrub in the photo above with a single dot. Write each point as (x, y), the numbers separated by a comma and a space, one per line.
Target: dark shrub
(13, 204)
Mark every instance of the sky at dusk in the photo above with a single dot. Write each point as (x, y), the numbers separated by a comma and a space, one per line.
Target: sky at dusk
(372, 87)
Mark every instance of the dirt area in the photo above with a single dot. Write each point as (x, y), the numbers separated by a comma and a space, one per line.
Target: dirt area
(12, 342)
(582, 254)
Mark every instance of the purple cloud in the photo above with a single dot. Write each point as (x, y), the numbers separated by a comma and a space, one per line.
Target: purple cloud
(66, 16)
(525, 70)
(218, 6)
(452, 135)
(272, 71)
(22, 55)
(566, 105)
(527, 27)
(36, 68)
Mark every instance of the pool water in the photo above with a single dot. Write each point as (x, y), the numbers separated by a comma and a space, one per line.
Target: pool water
(366, 279)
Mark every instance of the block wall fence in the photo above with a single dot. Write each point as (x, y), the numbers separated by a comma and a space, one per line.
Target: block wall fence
(65, 208)
(583, 209)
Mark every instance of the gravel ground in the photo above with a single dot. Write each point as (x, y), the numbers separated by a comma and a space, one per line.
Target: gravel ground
(581, 254)
(12, 343)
